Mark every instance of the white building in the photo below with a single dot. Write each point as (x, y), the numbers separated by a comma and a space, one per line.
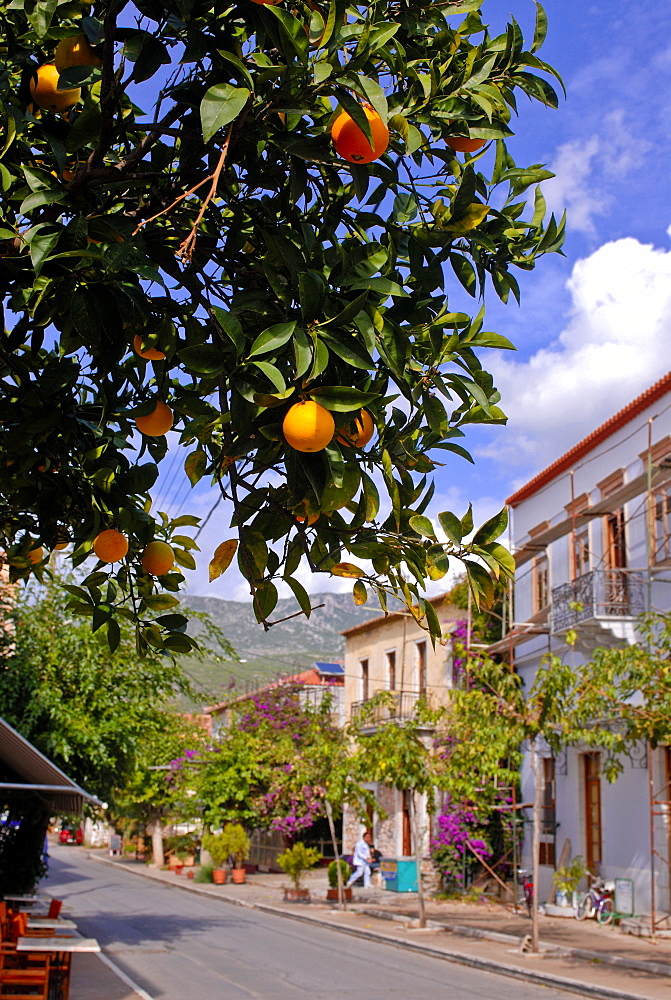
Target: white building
(592, 540)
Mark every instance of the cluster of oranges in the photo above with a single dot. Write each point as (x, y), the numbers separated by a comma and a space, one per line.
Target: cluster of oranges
(72, 51)
(111, 546)
(308, 426)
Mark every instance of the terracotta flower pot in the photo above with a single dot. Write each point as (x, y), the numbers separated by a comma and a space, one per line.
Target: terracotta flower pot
(296, 895)
(219, 876)
(190, 873)
(238, 875)
(332, 894)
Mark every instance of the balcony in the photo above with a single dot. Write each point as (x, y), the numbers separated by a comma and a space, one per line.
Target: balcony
(602, 606)
(395, 706)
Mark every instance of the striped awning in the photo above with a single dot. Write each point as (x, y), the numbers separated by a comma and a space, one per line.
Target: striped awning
(33, 772)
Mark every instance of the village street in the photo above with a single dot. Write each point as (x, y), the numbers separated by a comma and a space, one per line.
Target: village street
(176, 946)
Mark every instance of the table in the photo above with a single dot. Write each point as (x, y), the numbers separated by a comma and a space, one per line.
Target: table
(63, 948)
(50, 924)
(26, 900)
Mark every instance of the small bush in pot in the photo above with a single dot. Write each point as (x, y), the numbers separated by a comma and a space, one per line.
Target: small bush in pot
(332, 872)
(217, 847)
(294, 861)
(567, 878)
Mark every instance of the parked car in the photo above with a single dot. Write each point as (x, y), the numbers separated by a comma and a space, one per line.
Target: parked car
(71, 835)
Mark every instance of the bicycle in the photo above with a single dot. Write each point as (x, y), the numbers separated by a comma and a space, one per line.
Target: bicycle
(596, 902)
(524, 879)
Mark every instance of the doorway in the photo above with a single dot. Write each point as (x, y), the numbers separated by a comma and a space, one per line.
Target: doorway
(592, 773)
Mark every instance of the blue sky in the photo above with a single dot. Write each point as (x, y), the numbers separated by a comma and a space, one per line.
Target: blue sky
(593, 328)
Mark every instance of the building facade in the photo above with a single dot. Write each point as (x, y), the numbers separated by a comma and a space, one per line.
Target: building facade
(393, 653)
(592, 542)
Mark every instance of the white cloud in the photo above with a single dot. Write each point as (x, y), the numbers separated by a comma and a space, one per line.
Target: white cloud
(615, 345)
(581, 165)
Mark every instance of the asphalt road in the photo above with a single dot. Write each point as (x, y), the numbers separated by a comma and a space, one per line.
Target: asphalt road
(178, 946)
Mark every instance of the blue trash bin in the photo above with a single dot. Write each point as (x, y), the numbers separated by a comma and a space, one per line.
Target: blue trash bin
(399, 874)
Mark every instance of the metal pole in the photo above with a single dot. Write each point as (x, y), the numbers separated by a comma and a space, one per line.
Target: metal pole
(651, 786)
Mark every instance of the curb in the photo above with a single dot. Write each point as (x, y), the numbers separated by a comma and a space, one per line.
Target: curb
(639, 965)
(483, 965)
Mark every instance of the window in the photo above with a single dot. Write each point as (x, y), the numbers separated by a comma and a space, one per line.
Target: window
(364, 680)
(421, 666)
(540, 583)
(391, 669)
(580, 551)
(661, 524)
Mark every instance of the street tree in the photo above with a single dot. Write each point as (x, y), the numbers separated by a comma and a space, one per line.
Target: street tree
(58, 689)
(401, 756)
(254, 225)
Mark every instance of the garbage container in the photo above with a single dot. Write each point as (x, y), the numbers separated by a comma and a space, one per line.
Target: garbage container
(399, 874)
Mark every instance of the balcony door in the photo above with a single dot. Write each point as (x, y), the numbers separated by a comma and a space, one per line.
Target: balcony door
(593, 831)
(616, 595)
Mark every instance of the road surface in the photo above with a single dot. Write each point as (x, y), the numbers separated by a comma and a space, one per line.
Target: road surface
(179, 946)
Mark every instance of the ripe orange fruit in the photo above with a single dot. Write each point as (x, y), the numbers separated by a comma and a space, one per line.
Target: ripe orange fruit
(156, 423)
(158, 558)
(75, 51)
(351, 143)
(110, 545)
(308, 426)
(43, 88)
(460, 144)
(36, 555)
(358, 438)
(149, 353)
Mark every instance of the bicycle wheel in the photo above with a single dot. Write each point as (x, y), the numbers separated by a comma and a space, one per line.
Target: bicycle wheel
(604, 914)
(584, 907)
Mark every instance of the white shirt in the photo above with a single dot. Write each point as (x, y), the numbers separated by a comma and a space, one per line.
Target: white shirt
(361, 853)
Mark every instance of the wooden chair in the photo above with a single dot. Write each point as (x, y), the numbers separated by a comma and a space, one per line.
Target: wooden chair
(27, 982)
(55, 909)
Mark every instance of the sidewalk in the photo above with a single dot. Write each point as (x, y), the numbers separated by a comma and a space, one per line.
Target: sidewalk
(579, 957)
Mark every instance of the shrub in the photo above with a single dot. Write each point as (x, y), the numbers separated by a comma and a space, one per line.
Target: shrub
(298, 859)
(204, 874)
(332, 872)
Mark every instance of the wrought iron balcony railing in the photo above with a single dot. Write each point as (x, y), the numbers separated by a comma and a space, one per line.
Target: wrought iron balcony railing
(601, 594)
(397, 706)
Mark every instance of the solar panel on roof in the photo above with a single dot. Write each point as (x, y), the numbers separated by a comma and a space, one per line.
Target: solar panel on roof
(330, 668)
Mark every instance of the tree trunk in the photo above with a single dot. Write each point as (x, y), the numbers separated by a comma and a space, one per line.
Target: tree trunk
(535, 843)
(414, 819)
(156, 829)
(342, 905)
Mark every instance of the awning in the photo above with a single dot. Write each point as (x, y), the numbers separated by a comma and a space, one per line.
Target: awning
(35, 773)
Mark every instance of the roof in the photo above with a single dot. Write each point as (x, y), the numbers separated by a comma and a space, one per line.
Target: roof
(392, 616)
(38, 774)
(315, 676)
(569, 458)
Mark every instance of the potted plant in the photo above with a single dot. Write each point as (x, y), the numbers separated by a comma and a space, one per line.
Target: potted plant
(294, 861)
(567, 879)
(237, 844)
(332, 872)
(217, 847)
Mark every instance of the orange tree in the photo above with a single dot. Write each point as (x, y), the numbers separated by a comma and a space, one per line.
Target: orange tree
(195, 237)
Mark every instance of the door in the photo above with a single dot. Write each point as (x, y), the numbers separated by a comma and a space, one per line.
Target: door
(406, 845)
(592, 772)
(616, 596)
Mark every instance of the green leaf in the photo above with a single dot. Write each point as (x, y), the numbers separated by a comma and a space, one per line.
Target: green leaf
(342, 399)
(271, 373)
(160, 602)
(113, 635)
(293, 30)
(467, 520)
(204, 359)
(231, 327)
(359, 593)
(195, 465)
(272, 338)
(492, 528)
(265, 599)
(437, 562)
(220, 106)
(300, 593)
(452, 526)
(422, 525)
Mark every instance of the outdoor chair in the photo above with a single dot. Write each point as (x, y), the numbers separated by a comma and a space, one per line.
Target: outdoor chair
(55, 909)
(30, 982)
